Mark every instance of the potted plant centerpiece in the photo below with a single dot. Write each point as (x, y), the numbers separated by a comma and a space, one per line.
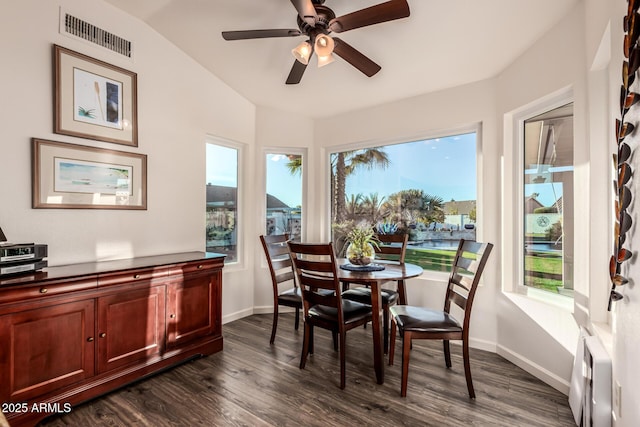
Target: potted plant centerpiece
(362, 243)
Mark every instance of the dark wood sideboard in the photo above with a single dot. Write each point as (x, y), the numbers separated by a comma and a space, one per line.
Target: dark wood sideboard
(71, 333)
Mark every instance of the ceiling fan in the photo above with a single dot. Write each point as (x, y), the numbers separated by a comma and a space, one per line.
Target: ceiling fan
(316, 22)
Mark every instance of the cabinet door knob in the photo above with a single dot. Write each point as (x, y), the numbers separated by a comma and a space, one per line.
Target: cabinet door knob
(102, 335)
(173, 316)
(90, 339)
(44, 290)
(136, 276)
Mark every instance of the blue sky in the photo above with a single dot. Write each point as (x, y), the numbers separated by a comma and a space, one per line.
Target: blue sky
(444, 167)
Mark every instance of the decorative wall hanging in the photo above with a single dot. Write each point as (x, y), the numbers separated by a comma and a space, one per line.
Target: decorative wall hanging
(628, 98)
(77, 176)
(94, 99)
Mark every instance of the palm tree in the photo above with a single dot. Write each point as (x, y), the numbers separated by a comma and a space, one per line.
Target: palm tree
(372, 207)
(294, 164)
(415, 205)
(343, 164)
(353, 206)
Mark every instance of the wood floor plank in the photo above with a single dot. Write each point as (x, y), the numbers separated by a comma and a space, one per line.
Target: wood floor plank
(252, 383)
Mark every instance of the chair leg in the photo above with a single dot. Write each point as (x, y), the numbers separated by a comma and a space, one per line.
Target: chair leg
(297, 322)
(343, 350)
(406, 349)
(447, 353)
(385, 329)
(274, 324)
(392, 341)
(467, 369)
(305, 345)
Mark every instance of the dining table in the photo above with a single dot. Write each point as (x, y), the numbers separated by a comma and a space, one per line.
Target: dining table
(383, 271)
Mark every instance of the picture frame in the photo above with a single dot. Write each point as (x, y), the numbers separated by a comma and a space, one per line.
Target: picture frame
(94, 99)
(71, 176)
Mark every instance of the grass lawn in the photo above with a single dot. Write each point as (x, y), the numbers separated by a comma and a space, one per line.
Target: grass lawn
(544, 272)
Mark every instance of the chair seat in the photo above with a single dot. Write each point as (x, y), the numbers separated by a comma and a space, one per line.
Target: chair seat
(292, 298)
(353, 312)
(363, 295)
(420, 319)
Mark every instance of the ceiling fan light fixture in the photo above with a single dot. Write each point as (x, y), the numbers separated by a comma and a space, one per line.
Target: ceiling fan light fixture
(302, 52)
(325, 60)
(324, 45)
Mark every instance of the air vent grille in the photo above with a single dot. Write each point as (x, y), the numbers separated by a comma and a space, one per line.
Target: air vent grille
(82, 29)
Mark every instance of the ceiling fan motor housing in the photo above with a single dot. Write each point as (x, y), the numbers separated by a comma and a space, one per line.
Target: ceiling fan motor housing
(324, 16)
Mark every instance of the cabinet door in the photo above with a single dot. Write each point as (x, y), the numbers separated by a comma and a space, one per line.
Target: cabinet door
(130, 327)
(45, 349)
(193, 308)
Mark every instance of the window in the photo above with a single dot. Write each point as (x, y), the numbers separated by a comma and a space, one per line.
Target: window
(222, 200)
(425, 188)
(284, 194)
(548, 201)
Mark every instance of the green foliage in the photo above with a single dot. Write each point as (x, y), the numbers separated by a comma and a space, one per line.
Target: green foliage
(554, 233)
(412, 207)
(361, 236)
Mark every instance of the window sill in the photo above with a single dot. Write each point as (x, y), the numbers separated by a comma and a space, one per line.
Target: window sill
(561, 301)
(551, 314)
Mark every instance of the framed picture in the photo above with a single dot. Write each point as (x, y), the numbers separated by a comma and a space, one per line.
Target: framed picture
(94, 99)
(76, 176)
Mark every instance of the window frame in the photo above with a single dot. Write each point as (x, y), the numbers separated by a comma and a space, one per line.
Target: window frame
(475, 127)
(240, 247)
(284, 151)
(513, 213)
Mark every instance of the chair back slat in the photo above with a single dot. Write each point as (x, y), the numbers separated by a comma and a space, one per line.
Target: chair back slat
(283, 277)
(277, 250)
(459, 299)
(277, 254)
(282, 263)
(392, 247)
(468, 265)
(315, 268)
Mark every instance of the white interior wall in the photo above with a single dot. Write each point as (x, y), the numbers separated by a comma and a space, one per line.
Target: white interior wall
(553, 69)
(175, 112)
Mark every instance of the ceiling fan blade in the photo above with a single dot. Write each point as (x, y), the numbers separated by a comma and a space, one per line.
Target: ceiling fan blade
(355, 58)
(295, 75)
(258, 34)
(383, 12)
(306, 11)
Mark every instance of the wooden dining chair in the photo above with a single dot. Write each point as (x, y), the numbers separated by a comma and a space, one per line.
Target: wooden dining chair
(423, 323)
(316, 270)
(281, 270)
(393, 248)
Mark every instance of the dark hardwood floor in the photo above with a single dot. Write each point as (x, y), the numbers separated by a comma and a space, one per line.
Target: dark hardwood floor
(251, 383)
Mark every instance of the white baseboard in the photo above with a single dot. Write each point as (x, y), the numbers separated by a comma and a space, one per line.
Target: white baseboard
(237, 315)
(534, 369)
(255, 310)
(482, 345)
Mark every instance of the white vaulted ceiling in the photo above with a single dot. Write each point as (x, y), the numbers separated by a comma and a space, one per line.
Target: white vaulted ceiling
(444, 43)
